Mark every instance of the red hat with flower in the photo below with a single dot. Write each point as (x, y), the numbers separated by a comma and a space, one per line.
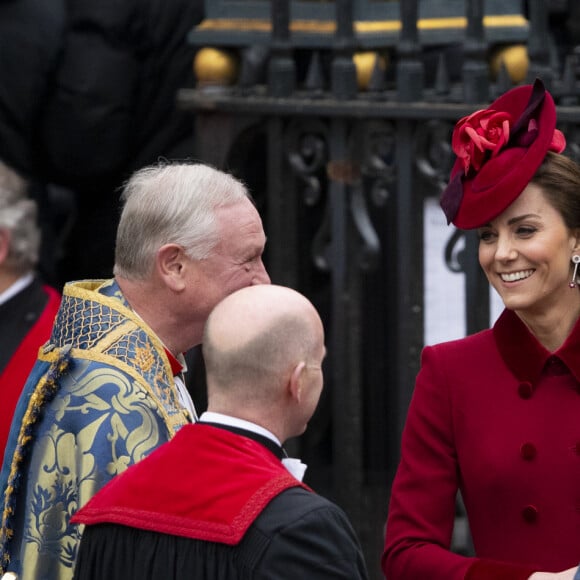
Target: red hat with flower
(498, 152)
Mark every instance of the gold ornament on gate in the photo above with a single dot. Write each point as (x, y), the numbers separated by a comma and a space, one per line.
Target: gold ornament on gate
(365, 63)
(213, 66)
(515, 59)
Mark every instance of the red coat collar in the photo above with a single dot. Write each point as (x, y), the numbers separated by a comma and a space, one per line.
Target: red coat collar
(523, 353)
(206, 483)
(176, 366)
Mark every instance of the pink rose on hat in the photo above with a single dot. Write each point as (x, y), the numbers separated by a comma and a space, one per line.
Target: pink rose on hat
(480, 137)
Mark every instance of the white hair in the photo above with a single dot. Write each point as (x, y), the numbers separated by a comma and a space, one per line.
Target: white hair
(171, 203)
(18, 214)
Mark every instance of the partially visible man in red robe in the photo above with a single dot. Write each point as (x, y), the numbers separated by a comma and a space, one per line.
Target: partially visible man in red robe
(27, 305)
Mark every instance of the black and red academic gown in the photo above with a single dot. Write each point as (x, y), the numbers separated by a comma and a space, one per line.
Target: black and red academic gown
(25, 325)
(214, 504)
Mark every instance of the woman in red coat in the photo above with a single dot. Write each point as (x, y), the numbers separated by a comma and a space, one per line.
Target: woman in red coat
(496, 415)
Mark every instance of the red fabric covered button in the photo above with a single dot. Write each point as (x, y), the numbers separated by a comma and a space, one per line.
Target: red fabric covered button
(528, 451)
(525, 390)
(530, 514)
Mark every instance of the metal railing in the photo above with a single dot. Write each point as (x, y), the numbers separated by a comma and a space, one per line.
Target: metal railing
(340, 176)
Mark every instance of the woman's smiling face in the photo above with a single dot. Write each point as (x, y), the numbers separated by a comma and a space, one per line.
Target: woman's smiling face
(525, 253)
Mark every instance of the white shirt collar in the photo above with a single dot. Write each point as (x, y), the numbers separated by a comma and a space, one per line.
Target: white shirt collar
(212, 417)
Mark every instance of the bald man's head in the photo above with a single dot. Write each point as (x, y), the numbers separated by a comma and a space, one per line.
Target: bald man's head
(253, 341)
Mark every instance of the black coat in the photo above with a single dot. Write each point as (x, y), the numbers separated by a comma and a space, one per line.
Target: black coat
(31, 37)
(298, 535)
(208, 505)
(112, 107)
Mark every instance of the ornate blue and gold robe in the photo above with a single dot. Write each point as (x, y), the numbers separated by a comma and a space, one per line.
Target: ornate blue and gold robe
(100, 397)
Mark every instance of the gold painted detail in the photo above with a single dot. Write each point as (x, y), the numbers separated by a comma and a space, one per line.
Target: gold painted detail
(215, 66)
(365, 63)
(329, 27)
(516, 60)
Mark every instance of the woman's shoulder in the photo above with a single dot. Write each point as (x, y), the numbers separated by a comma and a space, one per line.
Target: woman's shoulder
(467, 343)
(472, 357)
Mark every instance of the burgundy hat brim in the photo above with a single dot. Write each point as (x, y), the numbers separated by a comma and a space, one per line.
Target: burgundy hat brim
(501, 179)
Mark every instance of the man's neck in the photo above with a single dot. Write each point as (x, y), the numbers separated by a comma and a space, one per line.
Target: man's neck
(151, 305)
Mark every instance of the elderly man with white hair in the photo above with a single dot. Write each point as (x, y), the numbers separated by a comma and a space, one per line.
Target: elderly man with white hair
(107, 388)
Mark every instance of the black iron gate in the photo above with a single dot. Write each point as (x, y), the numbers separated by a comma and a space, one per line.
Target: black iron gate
(341, 172)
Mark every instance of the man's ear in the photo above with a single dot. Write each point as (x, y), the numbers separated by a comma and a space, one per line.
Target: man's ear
(170, 265)
(295, 385)
(4, 244)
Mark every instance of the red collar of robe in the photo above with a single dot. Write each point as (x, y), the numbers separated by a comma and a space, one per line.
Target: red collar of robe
(206, 483)
(23, 359)
(14, 375)
(525, 356)
(176, 366)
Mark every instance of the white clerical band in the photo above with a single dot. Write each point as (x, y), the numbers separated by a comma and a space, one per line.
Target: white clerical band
(295, 467)
(184, 397)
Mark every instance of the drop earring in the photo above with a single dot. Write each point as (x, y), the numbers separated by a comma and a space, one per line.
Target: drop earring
(575, 261)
